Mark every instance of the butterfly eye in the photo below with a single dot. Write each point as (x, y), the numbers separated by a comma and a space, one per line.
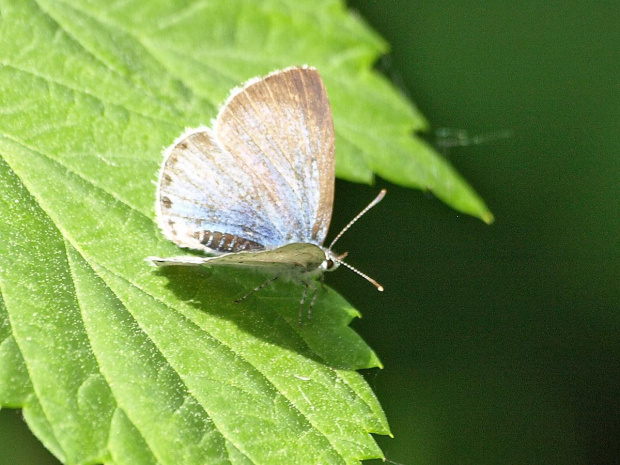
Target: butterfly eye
(330, 264)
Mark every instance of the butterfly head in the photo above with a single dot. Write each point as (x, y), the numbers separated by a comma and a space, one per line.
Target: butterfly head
(332, 261)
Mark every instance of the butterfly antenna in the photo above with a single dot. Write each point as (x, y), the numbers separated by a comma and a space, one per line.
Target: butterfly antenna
(351, 223)
(366, 277)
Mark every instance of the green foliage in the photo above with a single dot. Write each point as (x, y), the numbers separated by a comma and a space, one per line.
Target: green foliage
(112, 361)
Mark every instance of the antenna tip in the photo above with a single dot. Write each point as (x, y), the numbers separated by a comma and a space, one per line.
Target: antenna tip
(380, 289)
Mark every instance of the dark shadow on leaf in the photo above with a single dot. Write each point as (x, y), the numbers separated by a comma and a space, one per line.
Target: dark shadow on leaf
(271, 314)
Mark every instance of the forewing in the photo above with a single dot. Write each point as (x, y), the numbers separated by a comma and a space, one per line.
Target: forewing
(280, 127)
(207, 200)
(297, 256)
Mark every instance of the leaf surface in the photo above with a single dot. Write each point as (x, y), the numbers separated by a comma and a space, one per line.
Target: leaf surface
(113, 361)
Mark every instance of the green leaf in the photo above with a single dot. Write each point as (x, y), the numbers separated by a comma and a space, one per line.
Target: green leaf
(112, 361)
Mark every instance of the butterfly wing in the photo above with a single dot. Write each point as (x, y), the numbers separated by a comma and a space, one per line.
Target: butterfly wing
(298, 256)
(263, 178)
(281, 128)
(208, 201)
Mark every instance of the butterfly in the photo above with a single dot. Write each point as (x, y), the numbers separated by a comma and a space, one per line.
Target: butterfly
(257, 189)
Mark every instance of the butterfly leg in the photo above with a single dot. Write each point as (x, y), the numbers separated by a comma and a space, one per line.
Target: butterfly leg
(301, 304)
(308, 284)
(257, 288)
(313, 300)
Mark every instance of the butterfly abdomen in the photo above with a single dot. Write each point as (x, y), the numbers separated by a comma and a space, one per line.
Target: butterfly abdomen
(224, 242)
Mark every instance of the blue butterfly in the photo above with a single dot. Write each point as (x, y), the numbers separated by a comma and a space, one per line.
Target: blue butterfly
(257, 190)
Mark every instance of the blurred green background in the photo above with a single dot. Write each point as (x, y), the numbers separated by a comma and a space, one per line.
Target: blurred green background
(501, 343)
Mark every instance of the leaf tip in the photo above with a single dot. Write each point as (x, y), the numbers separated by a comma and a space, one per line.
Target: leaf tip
(488, 217)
